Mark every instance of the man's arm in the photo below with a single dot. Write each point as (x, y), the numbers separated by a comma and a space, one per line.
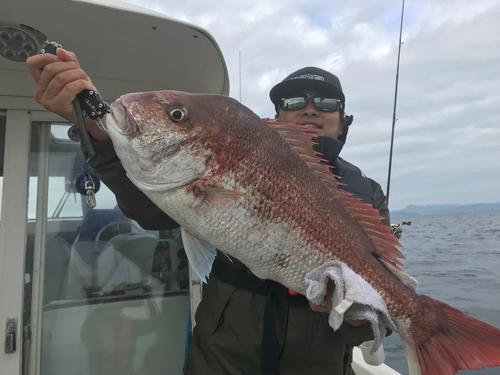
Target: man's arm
(383, 208)
(356, 334)
(381, 201)
(59, 79)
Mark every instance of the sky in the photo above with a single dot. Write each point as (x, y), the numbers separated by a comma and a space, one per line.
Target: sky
(447, 137)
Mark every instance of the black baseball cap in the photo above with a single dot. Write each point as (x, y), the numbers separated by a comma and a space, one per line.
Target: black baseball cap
(308, 78)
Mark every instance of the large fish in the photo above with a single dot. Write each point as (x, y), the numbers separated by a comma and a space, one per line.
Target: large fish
(260, 194)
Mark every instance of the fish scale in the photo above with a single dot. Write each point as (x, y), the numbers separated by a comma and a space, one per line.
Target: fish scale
(268, 205)
(257, 191)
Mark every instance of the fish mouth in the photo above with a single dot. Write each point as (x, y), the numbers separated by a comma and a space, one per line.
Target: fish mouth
(122, 121)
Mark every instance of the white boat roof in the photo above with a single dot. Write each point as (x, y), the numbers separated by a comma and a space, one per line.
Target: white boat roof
(123, 48)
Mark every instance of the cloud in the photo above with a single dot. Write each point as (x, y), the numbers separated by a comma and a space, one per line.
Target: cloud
(447, 140)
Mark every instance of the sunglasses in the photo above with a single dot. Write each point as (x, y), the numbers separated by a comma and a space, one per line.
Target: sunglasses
(321, 103)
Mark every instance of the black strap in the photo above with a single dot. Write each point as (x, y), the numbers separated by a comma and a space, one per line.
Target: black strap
(269, 354)
(238, 278)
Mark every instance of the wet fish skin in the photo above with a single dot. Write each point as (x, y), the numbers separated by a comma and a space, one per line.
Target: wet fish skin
(242, 159)
(233, 183)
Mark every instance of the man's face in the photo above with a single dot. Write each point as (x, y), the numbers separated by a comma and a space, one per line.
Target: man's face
(329, 123)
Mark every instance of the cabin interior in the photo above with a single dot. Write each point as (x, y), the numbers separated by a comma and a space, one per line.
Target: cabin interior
(109, 287)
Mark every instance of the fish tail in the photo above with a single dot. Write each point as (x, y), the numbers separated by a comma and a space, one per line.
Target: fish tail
(460, 342)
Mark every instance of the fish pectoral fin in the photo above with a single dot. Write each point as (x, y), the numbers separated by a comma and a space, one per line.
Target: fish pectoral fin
(200, 254)
(211, 195)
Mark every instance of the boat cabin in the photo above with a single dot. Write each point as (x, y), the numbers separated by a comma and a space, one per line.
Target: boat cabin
(86, 290)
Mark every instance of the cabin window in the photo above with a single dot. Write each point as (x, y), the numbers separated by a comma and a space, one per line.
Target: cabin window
(109, 287)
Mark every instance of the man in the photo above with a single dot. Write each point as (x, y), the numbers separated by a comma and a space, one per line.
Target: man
(328, 114)
(244, 325)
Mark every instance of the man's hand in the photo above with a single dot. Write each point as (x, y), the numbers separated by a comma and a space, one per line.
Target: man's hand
(59, 79)
(328, 308)
(329, 295)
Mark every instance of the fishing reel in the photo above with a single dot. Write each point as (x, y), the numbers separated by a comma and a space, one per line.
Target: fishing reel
(397, 229)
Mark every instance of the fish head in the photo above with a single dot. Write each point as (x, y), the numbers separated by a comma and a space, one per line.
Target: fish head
(161, 138)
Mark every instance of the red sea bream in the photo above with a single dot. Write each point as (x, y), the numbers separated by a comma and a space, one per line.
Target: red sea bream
(257, 191)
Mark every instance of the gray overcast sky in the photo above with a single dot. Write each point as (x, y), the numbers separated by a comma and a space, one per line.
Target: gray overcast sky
(447, 142)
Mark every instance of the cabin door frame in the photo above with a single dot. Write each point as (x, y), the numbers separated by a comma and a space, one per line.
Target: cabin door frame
(13, 225)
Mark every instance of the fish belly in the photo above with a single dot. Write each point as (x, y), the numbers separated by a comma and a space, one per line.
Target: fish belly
(271, 250)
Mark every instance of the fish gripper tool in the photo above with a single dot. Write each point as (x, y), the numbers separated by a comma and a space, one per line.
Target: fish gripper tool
(90, 100)
(87, 103)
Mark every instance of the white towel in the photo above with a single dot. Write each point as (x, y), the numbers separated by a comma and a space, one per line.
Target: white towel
(349, 286)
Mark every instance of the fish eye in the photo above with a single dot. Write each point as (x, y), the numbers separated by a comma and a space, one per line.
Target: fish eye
(177, 114)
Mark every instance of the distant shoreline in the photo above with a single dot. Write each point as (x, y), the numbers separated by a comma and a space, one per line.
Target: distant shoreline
(416, 210)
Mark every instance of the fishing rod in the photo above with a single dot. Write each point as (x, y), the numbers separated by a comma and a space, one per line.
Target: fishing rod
(240, 76)
(395, 102)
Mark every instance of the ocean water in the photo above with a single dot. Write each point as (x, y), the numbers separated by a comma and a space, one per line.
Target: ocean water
(456, 259)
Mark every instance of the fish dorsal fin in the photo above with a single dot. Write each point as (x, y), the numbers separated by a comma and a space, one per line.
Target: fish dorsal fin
(367, 217)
